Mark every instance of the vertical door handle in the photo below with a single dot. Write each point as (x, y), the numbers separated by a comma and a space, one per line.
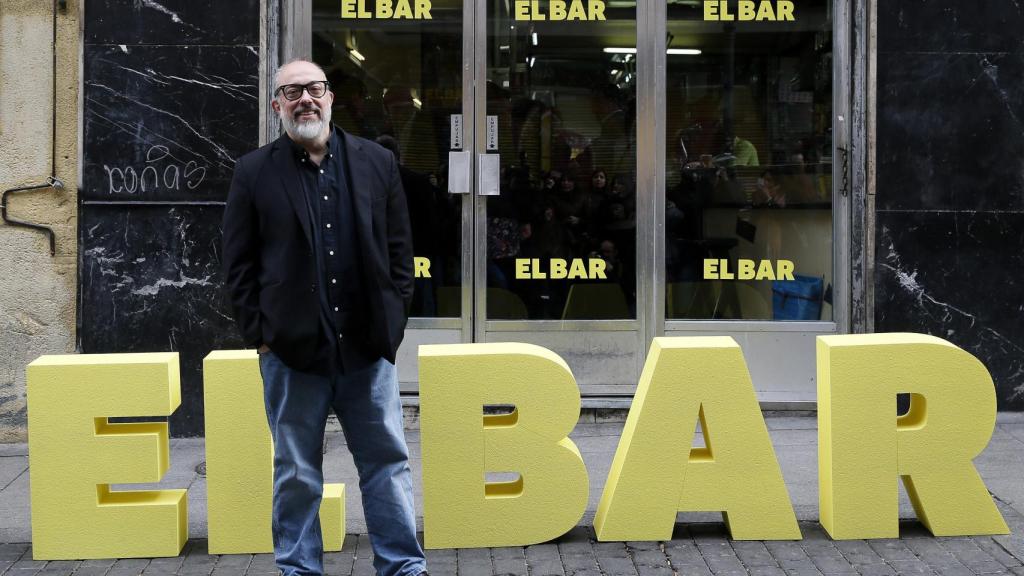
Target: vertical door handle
(489, 171)
(460, 170)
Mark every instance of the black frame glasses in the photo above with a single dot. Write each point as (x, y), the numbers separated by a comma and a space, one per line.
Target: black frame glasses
(292, 92)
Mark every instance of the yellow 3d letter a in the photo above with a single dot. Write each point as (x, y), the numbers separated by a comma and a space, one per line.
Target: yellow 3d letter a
(461, 446)
(75, 454)
(240, 461)
(736, 473)
(863, 446)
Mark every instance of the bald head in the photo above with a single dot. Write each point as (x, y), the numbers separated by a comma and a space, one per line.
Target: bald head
(286, 73)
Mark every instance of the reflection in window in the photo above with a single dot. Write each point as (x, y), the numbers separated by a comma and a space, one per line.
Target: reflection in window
(397, 82)
(749, 167)
(561, 237)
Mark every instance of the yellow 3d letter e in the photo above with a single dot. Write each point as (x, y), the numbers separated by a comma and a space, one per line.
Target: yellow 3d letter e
(863, 446)
(461, 445)
(76, 453)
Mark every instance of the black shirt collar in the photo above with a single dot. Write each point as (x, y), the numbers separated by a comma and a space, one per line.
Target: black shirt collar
(333, 137)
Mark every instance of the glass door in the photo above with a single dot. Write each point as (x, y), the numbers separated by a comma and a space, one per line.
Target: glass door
(556, 207)
(755, 182)
(398, 72)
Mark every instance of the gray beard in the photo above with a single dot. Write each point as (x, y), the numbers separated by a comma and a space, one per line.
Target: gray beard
(309, 131)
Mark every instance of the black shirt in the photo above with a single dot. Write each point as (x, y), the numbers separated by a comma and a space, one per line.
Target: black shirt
(342, 301)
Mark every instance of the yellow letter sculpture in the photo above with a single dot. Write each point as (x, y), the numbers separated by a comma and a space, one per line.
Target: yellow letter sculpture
(863, 447)
(461, 445)
(75, 454)
(240, 461)
(686, 379)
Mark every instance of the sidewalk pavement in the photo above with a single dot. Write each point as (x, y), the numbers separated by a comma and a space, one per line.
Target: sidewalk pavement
(700, 544)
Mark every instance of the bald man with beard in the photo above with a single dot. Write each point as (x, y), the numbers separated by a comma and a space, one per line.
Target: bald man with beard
(319, 268)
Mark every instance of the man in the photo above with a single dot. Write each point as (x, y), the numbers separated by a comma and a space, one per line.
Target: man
(318, 263)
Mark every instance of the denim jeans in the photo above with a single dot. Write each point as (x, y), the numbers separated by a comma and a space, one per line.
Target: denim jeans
(370, 412)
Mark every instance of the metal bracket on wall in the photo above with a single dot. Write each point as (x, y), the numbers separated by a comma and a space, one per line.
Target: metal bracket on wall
(51, 182)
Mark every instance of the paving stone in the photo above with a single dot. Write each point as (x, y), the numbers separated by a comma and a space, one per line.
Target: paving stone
(910, 567)
(514, 552)
(997, 552)
(643, 545)
(60, 568)
(364, 567)
(858, 552)
(800, 567)
(579, 563)
(610, 550)
(767, 571)
(754, 554)
(442, 555)
(171, 564)
(617, 566)
(12, 552)
(542, 552)
(235, 560)
(102, 563)
(91, 570)
(474, 568)
(29, 571)
(545, 567)
(784, 550)
(507, 566)
(827, 558)
(874, 569)
(27, 563)
(445, 568)
(130, 566)
(892, 550)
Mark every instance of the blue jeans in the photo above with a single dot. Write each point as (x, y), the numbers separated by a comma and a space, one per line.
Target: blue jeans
(370, 412)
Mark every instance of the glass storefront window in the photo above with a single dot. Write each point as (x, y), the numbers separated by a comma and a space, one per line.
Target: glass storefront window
(748, 212)
(398, 81)
(561, 236)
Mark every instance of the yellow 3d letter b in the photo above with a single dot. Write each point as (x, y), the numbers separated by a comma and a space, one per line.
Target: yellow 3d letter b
(545, 489)
(863, 446)
(76, 453)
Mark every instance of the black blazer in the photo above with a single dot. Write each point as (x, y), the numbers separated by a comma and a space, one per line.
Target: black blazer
(269, 266)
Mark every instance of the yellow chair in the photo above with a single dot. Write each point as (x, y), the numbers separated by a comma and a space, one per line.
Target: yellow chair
(596, 302)
(505, 305)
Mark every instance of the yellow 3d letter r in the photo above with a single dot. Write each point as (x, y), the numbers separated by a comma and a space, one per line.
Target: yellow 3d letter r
(656, 472)
(76, 453)
(461, 446)
(863, 446)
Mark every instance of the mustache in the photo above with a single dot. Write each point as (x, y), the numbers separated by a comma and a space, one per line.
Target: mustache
(301, 111)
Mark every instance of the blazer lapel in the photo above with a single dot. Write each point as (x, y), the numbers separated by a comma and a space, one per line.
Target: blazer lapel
(292, 185)
(361, 180)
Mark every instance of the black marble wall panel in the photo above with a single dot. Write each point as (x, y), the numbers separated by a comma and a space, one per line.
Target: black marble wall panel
(172, 22)
(171, 99)
(950, 131)
(167, 122)
(958, 276)
(950, 183)
(950, 26)
(151, 282)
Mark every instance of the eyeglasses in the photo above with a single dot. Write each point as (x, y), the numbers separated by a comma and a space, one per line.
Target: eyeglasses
(293, 92)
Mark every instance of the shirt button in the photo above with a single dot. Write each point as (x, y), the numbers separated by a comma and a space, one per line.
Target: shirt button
(321, 171)
(335, 308)
(303, 159)
(334, 280)
(341, 337)
(328, 225)
(331, 252)
(312, 287)
(325, 197)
